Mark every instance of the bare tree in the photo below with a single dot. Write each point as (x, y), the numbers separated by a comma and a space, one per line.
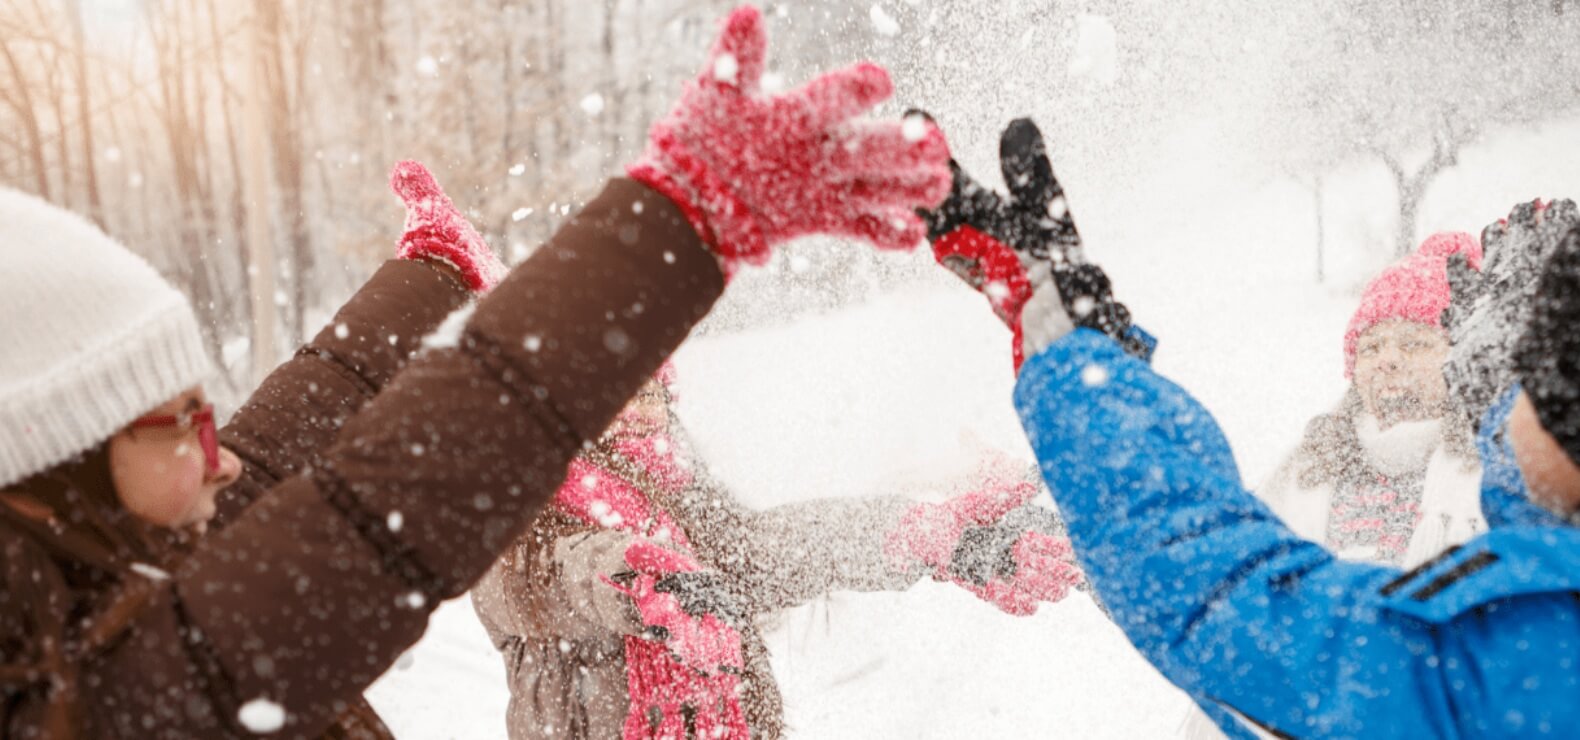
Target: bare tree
(90, 172)
(173, 113)
(285, 50)
(1413, 84)
(19, 97)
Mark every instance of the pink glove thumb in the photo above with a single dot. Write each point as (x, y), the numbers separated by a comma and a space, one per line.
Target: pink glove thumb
(436, 230)
(645, 556)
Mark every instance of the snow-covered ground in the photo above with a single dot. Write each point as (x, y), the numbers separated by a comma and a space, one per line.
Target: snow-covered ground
(905, 391)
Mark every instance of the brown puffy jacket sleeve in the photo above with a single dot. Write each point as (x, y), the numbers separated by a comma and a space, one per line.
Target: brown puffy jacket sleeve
(294, 415)
(317, 587)
(557, 592)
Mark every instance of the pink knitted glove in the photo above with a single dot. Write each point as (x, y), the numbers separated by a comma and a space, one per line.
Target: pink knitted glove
(705, 644)
(929, 533)
(990, 543)
(1045, 571)
(751, 170)
(436, 230)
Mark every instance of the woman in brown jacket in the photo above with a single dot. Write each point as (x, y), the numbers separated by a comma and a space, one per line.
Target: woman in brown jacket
(107, 516)
(275, 621)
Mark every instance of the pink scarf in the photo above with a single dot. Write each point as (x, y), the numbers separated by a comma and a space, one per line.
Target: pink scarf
(655, 678)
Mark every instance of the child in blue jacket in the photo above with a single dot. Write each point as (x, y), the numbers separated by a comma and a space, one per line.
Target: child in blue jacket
(1270, 633)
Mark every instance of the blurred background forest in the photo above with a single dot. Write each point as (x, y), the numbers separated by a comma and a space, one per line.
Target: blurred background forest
(242, 145)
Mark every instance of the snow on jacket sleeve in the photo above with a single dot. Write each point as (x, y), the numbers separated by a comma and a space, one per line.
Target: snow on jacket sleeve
(563, 596)
(788, 555)
(317, 587)
(289, 422)
(1264, 627)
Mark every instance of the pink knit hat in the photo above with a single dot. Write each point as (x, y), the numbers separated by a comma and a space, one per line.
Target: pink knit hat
(1414, 289)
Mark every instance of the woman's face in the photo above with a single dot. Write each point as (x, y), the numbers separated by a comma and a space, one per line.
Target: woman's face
(1399, 371)
(1551, 477)
(160, 474)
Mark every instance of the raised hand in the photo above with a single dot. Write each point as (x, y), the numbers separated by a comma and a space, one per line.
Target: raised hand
(1013, 247)
(1547, 354)
(1018, 562)
(1489, 310)
(995, 543)
(929, 533)
(752, 170)
(703, 641)
(436, 230)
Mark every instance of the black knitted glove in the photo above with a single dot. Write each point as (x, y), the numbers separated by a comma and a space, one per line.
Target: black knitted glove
(1035, 225)
(1488, 311)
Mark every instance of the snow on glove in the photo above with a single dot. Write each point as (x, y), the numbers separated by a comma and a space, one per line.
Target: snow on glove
(704, 643)
(751, 170)
(1018, 562)
(1488, 311)
(703, 592)
(436, 230)
(1035, 567)
(928, 533)
(995, 543)
(1024, 253)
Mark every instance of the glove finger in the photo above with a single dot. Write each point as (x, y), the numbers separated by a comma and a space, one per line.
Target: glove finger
(913, 189)
(1040, 544)
(968, 204)
(416, 187)
(836, 97)
(1006, 597)
(895, 227)
(905, 190)
(739, 54)
(1563, 210)
(1525, 214)
(1462, 289)
(1027, 172)
(648, 557)
(1083, 281)
(876, 148)
(1492, 238)
(1003, 497)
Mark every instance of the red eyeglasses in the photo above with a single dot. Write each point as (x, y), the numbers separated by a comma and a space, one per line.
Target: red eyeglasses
(202, 420)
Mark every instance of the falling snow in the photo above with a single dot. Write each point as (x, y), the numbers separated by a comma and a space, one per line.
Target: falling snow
(261, 716)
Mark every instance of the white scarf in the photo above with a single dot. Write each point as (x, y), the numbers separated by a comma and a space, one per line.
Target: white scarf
(1401, 449)
(1451, 490)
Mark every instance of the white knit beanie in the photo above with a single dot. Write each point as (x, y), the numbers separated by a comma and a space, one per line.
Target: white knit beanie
(91, 337)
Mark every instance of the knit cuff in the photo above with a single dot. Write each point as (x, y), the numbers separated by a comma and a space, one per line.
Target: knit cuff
(100, 389)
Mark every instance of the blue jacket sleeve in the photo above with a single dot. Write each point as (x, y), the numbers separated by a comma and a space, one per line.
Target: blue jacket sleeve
(1250, 619)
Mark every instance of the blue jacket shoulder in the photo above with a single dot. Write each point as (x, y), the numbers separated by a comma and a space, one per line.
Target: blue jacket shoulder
(1504, 566)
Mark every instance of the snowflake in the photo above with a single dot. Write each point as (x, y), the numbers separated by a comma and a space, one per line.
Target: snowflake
(261, 716)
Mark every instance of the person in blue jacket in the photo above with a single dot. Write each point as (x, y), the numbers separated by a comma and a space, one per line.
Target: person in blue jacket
(1269, 633)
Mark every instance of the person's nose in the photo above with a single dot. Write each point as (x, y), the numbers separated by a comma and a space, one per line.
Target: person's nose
(1389, 357)
(228, 471)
